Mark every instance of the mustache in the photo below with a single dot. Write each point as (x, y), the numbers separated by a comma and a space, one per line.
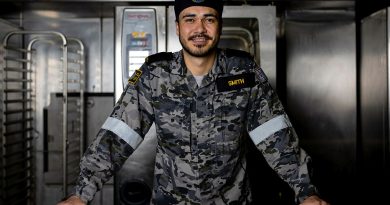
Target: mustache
(207, 37)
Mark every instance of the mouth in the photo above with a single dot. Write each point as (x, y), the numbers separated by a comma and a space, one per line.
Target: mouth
(199, 40)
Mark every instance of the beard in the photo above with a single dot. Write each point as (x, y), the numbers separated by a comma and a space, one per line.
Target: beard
(199, 50)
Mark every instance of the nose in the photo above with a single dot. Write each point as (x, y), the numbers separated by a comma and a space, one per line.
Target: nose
(200, 26)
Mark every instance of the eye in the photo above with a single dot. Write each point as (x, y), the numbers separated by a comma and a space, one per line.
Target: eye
(189, 20)
(210, 20)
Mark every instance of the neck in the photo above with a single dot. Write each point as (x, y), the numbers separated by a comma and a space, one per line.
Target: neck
(199, 65)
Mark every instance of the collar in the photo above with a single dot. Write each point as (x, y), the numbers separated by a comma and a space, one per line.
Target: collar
(178, 66)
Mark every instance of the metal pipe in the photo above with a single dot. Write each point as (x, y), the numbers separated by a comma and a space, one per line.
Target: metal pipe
(17, 80)
(17, 142)
(21, 60)
(18, 121)
(64, 120)
(17, 111)
(82, 71)
(16, 153)
(16, 132)
(15, 69)
(16, 90)
(21, 161)
(17, 49)
(17, 101)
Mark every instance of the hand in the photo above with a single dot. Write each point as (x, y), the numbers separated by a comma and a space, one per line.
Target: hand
(73, 200)
(313, 200)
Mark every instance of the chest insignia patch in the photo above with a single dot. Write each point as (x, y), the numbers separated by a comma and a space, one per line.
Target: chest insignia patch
(235, 82)
(134, 79)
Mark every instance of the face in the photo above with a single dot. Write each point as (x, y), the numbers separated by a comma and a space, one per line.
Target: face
(198, 29)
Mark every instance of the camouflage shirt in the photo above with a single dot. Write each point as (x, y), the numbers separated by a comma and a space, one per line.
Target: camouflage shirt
(200, 130)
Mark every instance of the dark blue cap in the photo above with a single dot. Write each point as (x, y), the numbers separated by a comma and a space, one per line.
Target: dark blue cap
(180, 5)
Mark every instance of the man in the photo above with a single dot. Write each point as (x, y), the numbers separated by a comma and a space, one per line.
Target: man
(204, 101)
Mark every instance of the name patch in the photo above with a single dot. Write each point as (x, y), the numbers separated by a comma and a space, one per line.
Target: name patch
(235, 82)
(134, 79)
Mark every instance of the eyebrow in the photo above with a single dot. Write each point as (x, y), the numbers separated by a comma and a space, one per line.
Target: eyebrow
(208, 15)
(189, 15)
(194, 15)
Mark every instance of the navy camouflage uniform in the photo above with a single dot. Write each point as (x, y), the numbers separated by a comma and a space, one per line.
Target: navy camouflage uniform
(201, 131)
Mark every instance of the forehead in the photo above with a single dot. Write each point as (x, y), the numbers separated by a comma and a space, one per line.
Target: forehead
(198, 11)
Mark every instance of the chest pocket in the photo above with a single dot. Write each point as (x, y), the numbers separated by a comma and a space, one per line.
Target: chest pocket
(173, 124)
(230, 111)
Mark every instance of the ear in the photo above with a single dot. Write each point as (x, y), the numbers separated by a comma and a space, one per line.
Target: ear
(177, 27)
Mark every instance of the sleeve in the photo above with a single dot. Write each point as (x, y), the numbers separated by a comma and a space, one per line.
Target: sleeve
(271, 131)
(118, 137)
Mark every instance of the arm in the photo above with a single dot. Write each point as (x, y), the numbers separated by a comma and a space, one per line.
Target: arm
(313, 200)
(272, 133)
(73, 200)
(118, 138)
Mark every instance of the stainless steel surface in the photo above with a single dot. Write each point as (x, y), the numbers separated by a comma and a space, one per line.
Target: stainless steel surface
(95, 27)
(69, 78)
(374, 98)
(18, 120)
(321, 97)
(388, 91)
(65, 90)
(47, 68)
(107, 56)
(259, 20)
(88, 30)
(120, 41)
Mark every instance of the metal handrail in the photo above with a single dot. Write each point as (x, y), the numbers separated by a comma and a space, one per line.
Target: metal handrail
(82, 80)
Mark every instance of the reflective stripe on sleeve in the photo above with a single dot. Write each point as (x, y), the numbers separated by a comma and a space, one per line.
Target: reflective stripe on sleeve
(123, 131)
(268, 128)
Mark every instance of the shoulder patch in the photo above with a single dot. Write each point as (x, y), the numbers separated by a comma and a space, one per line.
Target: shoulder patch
(134, 79)
(261, 75)
(239, 53)
(159, 57)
